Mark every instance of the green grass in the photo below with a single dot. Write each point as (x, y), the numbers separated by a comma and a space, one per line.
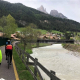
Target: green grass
(42, 31)
(23, 73)
(19, 29)
(29, 51)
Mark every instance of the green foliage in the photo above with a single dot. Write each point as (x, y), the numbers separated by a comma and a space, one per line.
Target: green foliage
(18, 35)
(29, 51)
(33, 26)
(11, 26)
(3, 21)
(8, 24)
(23, 73)
(43, 31)
(19, 29)
(67, 35)
(1, 29)
(29, 15)
(29, 35)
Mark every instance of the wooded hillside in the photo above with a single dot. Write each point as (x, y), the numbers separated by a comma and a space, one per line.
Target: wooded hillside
(26, 15)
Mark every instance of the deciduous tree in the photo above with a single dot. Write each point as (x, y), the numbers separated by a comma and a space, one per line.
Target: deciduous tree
(29, 35)
(10, 27)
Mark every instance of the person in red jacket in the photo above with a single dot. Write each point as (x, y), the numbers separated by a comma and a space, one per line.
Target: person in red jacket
(9, 49)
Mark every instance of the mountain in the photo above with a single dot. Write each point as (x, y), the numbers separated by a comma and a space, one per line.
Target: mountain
(56, 14)
(41, 8)
(53, 13)
(25, 15)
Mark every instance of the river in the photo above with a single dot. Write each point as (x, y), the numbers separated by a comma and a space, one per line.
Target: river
(60, 60)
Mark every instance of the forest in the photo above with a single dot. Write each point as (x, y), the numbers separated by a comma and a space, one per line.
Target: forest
(43, 21)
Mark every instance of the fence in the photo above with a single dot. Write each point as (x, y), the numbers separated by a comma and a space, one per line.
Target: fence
(36, 64)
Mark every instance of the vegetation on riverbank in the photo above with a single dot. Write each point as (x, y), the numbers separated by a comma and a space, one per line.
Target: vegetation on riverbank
(28, 49)
(23, 73)
(72, 47)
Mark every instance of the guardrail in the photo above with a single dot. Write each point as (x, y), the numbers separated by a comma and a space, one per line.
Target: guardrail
(54, 41)
(36, 64)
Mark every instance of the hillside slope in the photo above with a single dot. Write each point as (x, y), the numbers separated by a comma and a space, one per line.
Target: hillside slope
(24, 14)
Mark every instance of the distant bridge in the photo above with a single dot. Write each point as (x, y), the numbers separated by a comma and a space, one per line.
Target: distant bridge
(54, 41)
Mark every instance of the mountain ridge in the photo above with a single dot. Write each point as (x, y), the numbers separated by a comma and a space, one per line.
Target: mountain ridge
(25, 15)
(42, 9)
(53, 13)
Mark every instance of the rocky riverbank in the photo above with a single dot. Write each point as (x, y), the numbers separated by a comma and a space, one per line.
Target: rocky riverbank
(73, 47)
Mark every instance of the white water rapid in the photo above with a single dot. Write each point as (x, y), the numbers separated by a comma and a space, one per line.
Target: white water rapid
(60, 60)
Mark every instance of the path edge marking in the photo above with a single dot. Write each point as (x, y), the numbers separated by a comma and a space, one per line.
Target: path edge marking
(15, 71)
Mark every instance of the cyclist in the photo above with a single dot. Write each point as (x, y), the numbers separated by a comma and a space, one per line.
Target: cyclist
(0, 57)
(9, 48)
(5, 47)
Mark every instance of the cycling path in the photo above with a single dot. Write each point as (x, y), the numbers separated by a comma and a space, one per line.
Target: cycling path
(5, 73)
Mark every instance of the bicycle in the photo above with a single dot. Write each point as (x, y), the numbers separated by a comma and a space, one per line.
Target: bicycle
(8, 59)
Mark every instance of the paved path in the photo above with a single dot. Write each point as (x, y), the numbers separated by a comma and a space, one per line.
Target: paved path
(5, 73)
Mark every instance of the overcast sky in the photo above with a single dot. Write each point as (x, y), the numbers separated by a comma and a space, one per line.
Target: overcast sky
(69, 8)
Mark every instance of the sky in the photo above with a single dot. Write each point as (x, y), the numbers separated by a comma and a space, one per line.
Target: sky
(69, 8)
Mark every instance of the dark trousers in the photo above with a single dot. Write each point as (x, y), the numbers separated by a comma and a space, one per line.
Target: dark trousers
(10, 53)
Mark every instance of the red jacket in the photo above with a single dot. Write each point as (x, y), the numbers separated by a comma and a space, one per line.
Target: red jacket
(9, 47)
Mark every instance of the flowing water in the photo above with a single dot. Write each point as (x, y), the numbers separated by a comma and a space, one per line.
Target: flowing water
(60, 60)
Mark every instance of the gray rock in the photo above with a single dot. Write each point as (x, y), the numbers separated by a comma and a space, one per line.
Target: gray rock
(41, 8)
(55, 13)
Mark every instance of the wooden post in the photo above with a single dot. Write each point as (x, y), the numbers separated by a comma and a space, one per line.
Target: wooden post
(35, 64)
(52, 73)
(27, 60)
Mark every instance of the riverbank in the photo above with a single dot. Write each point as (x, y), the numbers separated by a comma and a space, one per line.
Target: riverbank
(73, 47)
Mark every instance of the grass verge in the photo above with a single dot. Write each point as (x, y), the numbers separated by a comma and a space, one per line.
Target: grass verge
(23, 73)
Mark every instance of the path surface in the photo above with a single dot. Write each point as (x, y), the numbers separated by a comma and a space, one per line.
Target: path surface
(5, 73)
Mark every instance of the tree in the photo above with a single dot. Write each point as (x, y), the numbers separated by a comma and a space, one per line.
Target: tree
(10, 27)
(3, 23)
(1, 29)
(29, 35)
(67, 35)
(32, 25)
